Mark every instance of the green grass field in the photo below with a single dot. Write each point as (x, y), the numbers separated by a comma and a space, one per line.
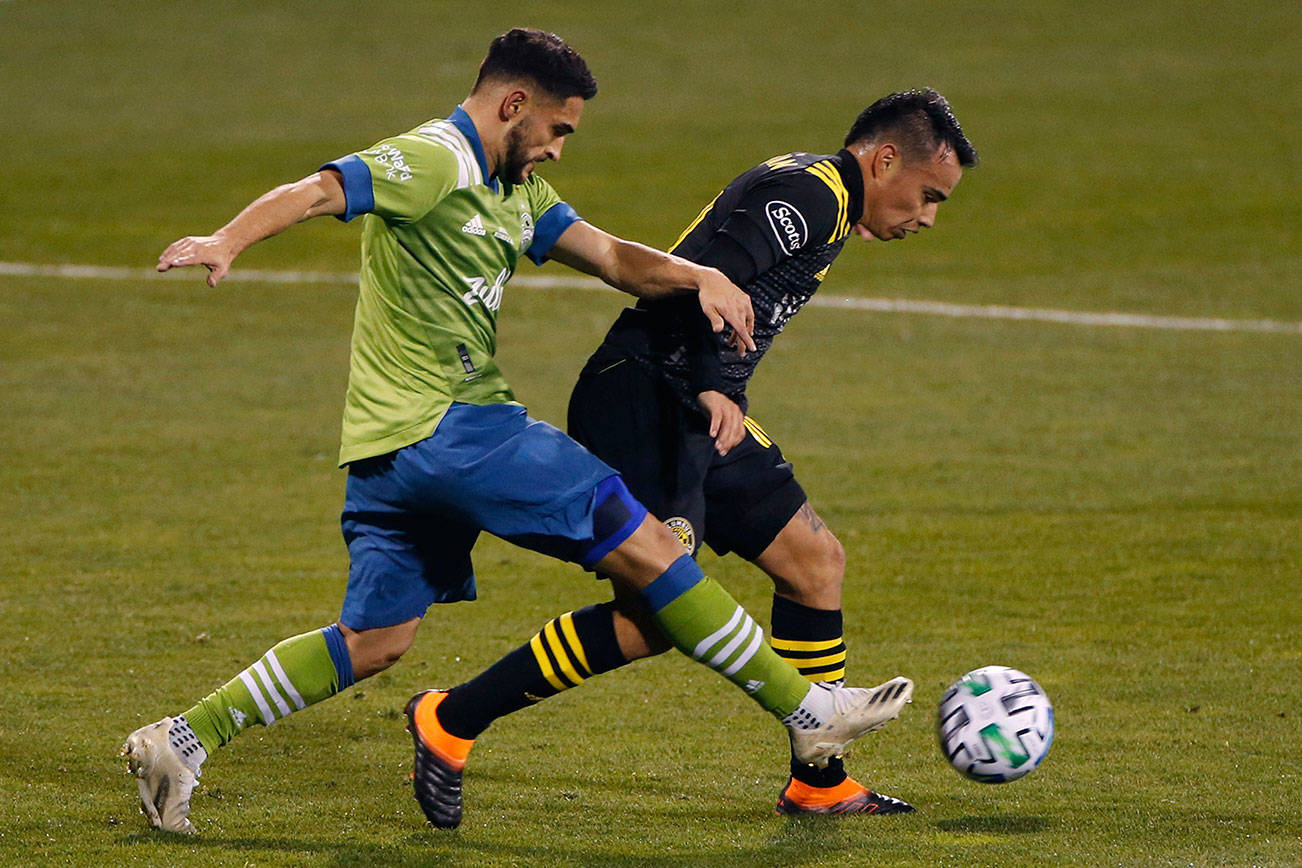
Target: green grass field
(1116, 511)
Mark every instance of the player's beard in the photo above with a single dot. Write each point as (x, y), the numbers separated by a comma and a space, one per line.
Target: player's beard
(516, 159)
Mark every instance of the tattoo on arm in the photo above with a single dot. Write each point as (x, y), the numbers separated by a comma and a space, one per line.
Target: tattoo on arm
(815, 523)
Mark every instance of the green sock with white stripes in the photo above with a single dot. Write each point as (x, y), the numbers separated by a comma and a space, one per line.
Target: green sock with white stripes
(707, 624)
(296, 673)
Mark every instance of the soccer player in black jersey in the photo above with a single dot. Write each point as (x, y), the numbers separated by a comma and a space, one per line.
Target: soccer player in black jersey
(698, 460)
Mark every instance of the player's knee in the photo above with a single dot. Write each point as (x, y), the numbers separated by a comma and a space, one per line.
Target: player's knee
(375, 650)
(833, 559)
(821, 572)
(643, 556)
(665, 543)
(385, 656)
(828, 568)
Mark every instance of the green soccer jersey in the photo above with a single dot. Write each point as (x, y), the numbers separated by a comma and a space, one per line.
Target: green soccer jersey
(439, 242)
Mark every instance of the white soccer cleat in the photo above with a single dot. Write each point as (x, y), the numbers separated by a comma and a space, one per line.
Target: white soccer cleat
(851, 712)
(165, 781)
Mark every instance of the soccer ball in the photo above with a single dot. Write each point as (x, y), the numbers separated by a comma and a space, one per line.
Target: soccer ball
(995, 724)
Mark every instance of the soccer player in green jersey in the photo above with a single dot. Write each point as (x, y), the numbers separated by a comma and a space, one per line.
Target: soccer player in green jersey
(438, 450)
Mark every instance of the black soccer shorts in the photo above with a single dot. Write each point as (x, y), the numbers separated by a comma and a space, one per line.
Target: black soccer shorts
(633, 421)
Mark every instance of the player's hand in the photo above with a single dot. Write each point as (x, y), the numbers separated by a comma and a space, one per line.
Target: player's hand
(724, 304)
(727, 421)
(209, 251)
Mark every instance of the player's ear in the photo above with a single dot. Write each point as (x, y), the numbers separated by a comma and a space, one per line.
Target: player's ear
(513, 102)
(885, 159)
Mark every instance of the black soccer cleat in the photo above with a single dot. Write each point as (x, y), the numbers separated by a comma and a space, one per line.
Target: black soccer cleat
(440, 759)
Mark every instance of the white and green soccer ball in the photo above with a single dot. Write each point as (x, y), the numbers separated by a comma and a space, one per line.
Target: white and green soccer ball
(995, 724)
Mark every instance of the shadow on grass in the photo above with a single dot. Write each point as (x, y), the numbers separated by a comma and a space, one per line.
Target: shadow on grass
(994, 825)
(338, 853)
(807, 834)
(778, 850)
(791, 844)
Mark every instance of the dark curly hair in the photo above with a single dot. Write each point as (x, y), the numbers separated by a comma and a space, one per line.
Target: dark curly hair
(541, 57)
(919, 121)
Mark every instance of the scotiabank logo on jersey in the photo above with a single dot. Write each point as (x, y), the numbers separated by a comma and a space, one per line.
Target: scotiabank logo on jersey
(788, 225)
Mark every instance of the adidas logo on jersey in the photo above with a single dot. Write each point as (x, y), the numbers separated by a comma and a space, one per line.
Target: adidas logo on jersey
(474, 226)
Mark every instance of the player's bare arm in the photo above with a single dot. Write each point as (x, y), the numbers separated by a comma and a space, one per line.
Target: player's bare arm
(648, 273)
(275, 211)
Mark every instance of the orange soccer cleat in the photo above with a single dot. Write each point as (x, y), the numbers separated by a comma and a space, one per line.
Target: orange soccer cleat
(847, 797)
(440, 758)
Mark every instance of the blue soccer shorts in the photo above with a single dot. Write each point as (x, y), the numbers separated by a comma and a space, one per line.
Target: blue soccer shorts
(412, 516)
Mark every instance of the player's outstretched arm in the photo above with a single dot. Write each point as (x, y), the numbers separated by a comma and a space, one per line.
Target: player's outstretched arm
(648, 273)
(269, 214)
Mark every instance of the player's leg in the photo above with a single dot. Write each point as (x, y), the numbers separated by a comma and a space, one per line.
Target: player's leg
(611, 398)
(664, 466)
(397, 569)
(807, 565)
(567, 651)
(166, 756)
(662, 450)
(666, 452)
(700, 618)
(672, 461)
(758, 509)
(611, 532)
(297, 672)
(703, 621)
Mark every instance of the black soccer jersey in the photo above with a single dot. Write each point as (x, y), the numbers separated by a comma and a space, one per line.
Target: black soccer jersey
(774, 232)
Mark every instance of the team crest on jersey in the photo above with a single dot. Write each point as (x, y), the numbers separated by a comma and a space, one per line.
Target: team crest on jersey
(682, 529)
(526, 229)
(788, 225)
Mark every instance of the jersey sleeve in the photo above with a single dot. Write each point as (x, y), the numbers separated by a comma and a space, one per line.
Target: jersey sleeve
(703, 352)
(773, 221)
(552, 217)
(400, 179)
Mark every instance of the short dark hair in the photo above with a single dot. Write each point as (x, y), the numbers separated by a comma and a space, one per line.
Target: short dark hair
(541, 57)
(919, 121)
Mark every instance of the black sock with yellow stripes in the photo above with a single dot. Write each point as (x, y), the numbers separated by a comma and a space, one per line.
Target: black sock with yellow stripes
(810, 640)
(563, 654)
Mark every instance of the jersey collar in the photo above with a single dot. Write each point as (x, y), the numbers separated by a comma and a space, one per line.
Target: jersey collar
(852, 175)
(462, 121)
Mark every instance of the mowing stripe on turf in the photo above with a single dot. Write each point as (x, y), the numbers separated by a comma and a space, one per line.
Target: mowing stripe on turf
(876, 305)
(1070, 317)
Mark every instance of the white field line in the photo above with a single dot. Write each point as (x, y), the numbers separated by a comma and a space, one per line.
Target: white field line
(878, 305)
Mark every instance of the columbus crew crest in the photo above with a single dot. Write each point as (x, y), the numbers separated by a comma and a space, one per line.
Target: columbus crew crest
(682, 529)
